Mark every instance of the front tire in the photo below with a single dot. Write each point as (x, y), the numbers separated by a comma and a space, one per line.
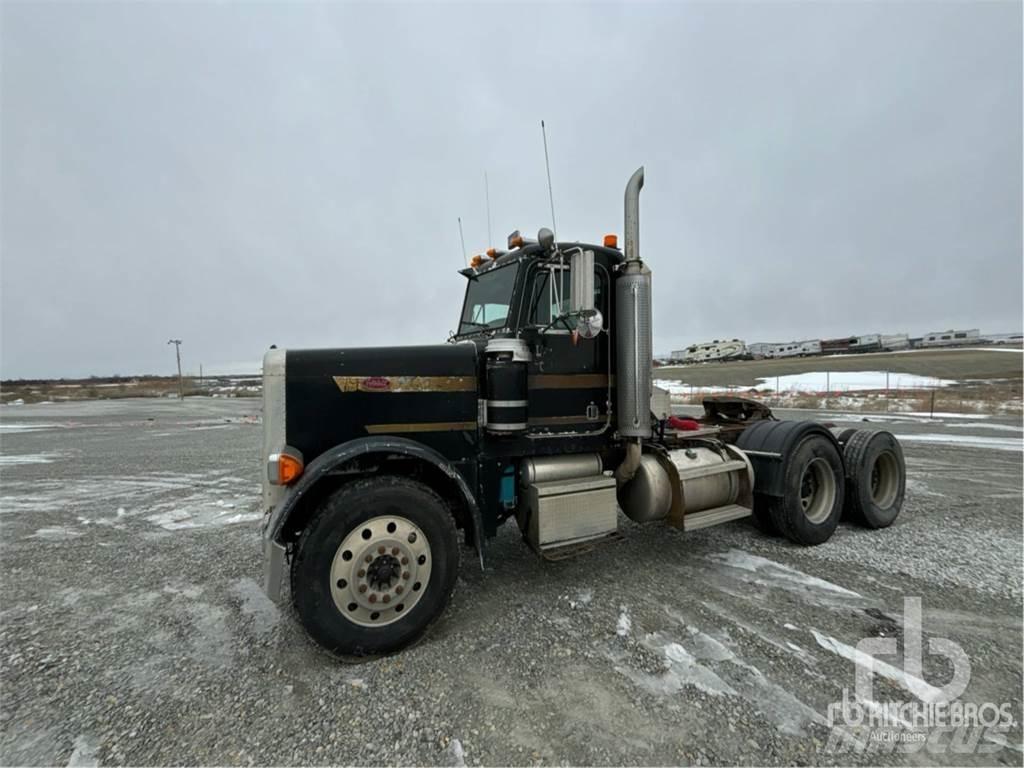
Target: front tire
(375, 567)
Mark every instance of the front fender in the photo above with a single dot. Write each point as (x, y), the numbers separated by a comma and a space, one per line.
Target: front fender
(339, 455)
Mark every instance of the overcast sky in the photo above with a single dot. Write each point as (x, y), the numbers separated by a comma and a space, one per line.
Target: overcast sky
(238, 175)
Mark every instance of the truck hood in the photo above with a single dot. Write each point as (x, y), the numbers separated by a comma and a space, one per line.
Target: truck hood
(427, 393)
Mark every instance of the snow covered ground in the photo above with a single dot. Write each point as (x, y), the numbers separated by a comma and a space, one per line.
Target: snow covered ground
(821, 381)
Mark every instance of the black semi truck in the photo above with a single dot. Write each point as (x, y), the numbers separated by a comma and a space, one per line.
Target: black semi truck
(540, 407)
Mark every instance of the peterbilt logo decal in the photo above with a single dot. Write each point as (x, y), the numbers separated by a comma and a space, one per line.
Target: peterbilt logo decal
(374, 384)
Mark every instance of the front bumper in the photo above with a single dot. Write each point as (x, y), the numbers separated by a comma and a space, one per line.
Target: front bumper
(273, 568)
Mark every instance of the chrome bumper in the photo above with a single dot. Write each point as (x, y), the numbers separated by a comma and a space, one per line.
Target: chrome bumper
(273, 568)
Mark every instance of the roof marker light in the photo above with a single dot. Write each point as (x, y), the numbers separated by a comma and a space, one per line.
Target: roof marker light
(611, 241)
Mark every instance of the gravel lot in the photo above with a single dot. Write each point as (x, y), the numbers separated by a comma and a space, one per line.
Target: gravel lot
(134, 630)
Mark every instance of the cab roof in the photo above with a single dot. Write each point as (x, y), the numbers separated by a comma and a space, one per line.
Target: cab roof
(534, 251)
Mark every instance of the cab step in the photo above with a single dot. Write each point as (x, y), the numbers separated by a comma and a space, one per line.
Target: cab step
(715, 516)
(565, 551)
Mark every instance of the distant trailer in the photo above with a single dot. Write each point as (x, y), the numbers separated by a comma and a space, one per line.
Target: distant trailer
(787, 349)
(951, 338)
(759, 349)
(895, 341)
(871, 342)
(1003, 338)
(714, 350)
(838, 346)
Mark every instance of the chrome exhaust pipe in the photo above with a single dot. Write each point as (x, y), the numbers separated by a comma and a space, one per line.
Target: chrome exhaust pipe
(633, 342)
(632, 233)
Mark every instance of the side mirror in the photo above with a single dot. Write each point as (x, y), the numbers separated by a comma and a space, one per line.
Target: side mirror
(581, 273)
(589, 322)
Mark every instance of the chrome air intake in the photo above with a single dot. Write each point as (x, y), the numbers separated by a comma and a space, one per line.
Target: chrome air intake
(633, 326)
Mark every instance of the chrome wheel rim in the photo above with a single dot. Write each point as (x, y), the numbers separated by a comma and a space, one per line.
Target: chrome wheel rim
(884, 480)
(817, 490)
(380, 571)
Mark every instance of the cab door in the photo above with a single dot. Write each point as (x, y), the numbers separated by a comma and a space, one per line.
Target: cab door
(569, 374)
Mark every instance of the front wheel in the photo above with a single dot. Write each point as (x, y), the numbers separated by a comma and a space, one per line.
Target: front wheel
(375, 567)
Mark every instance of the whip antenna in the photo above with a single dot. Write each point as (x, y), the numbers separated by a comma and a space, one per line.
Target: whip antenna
(465, 257)
(547, 166)
(487, 195)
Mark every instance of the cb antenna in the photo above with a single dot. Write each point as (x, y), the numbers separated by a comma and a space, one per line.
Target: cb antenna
(465, 256)
(487, 195)
(547, 165)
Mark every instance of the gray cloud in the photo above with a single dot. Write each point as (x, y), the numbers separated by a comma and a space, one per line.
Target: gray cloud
(244, 174)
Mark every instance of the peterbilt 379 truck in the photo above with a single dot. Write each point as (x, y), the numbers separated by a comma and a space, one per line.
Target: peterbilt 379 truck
(540, 408)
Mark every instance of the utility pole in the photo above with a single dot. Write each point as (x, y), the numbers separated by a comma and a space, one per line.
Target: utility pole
(177, 354)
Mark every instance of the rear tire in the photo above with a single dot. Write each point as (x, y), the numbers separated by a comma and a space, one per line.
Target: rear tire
(844, 436)
(762, 514)
(809, 511)
(876, 478)
(375, 567)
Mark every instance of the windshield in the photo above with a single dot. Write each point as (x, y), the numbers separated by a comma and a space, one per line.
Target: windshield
(487, 299)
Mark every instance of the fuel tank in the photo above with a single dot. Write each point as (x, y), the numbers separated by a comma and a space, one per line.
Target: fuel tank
(426, 393)
(708, 479)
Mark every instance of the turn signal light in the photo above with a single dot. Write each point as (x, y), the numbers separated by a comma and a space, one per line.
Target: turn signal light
(285, 467)
(611, 241)
(476, 261)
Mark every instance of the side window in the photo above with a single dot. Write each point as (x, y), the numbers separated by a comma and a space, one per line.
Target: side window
(547, 304)
(549, 301)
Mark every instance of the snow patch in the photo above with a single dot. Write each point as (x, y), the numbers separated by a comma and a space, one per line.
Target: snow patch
(625, 624)
(455, 754)
(29, 458)
(583, 597)
(256, 605)
(997, 427)
(56, 533)
(915, 685)
(14, 428)
(970, 441)
(820, 381)
(83, 754)
(777, 573)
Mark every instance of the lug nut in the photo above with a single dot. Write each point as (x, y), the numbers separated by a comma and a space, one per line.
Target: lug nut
(394, 551)
(405, 575)
(362, 587)
(362, 572)
(387, 598)
(381, 550)
(398, 589)
(373, 598)
(405, 561)
(369, 558)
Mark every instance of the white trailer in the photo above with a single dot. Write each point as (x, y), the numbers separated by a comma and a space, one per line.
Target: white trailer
(895, 341)
(789, 349)
(951, 338)
(714, 350)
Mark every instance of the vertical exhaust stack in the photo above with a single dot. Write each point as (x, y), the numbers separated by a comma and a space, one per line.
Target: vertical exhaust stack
(634, 346)
(633, 326)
